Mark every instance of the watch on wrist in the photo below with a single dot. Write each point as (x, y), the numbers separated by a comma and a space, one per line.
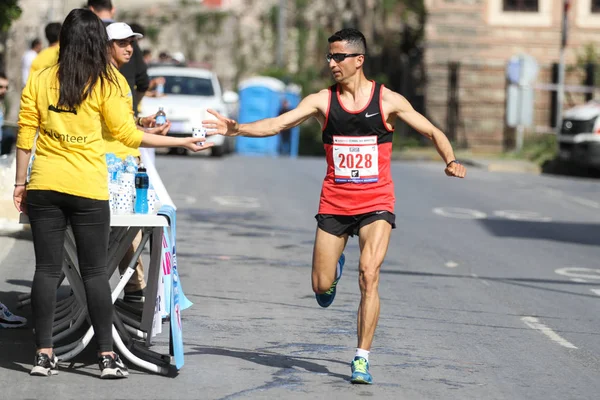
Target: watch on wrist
(453, 161)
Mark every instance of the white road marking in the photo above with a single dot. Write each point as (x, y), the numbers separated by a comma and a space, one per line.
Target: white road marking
(595, 291)
(585, 202)
(579, 273)
(522, 215)
(190, 200)
(486, 283)
(578, 280)
(237, 201)
(575, 199)
(451, 264)
(535, 323)
(460, 213)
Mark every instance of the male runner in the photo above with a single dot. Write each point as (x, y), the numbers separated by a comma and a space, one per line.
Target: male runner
(358, 118)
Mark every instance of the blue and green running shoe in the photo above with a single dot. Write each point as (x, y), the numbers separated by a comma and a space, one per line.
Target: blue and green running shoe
(360, 371)
(325, 299)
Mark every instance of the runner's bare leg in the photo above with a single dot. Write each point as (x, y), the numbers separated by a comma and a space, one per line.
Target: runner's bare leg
(373, 240)
(326, 253)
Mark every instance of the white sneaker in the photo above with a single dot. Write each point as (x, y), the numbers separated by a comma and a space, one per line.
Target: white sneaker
(111, 367)
(9, 320)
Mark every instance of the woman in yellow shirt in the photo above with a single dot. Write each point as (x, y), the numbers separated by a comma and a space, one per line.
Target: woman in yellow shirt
(68, 184)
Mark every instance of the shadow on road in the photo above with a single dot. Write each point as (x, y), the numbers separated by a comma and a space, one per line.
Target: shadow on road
(16, 345)
(524, 282)
(275, 360)
(563, 168)
(566, 232)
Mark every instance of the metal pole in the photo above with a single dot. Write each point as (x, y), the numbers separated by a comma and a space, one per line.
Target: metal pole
(560, 93)
(281, 33)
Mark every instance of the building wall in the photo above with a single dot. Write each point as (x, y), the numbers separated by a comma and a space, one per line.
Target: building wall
(482, 38)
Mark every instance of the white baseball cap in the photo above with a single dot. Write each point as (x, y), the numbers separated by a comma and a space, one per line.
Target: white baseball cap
(120, 30)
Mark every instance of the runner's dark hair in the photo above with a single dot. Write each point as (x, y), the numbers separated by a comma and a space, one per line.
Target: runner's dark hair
(353, 37)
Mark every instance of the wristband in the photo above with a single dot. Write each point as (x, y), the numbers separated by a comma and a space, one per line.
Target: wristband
(139, 122)
(453, 161)
(20, 184)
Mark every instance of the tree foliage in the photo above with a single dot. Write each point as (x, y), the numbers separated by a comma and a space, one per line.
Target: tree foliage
(9, 11)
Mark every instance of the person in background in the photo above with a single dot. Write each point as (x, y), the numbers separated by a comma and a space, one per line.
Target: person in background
(121, 38)
(68, 183)
(147, 54)
(6, 141)
(164, 58)
(49, 56)
(28, 57)
(138, 28)
(135, 71)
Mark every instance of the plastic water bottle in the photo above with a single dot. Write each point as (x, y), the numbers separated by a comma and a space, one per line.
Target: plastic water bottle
(160, 89)
(142, 182)
(161, 117)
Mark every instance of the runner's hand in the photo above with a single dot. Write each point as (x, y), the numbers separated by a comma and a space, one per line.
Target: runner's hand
(455, 169)
(221, 125)
(190, 143)
(19, 196)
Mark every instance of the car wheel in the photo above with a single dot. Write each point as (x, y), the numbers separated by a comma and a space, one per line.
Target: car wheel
(217, 151)
(180, 151)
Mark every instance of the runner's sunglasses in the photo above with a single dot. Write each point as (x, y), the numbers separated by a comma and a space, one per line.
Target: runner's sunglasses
(339, 57)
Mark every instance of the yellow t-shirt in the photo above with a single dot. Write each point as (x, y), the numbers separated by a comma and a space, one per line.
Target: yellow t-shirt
(114, 145)
(70, 150)
(45, 59)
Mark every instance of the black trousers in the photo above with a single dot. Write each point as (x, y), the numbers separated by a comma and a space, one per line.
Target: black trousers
(49, 212)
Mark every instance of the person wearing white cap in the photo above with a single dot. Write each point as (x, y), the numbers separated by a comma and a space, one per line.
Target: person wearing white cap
(135, 71)
(121, 40)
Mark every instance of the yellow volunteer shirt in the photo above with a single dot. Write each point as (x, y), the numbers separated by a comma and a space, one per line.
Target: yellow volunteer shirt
(113, 145)
(45, 59)
(70, 149)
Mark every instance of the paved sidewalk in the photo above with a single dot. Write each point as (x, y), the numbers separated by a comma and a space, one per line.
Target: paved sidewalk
(9, 217)
(488, 161)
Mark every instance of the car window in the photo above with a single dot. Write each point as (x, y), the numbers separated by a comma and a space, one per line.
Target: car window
(185, 85)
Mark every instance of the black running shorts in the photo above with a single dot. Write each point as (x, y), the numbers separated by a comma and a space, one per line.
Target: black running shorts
(339, 225)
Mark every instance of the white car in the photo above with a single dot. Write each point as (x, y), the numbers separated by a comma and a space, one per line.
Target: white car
(579, 138)
(188, 92)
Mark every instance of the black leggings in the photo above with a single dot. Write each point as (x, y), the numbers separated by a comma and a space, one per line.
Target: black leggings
(49, 212)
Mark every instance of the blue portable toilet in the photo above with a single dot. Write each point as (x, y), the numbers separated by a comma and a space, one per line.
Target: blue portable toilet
(260, 97)
(293, 95)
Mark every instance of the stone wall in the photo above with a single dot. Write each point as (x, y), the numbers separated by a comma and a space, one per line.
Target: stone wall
(482, 38)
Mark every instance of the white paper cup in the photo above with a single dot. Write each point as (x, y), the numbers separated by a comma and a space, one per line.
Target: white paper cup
(199, 133)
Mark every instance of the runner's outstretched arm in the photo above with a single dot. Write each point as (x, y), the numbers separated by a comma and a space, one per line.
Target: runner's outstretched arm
(405, 111)
(308, 107)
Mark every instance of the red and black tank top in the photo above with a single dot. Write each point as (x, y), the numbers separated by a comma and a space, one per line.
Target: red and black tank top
(358, 147)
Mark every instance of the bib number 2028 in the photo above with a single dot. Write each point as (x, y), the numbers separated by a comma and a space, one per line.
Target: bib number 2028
(355, 159)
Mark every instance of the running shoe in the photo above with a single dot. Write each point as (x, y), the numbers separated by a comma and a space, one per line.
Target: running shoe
(111, 367)
(325, 299)
(44, 365)
(10, 320)
(360, 371)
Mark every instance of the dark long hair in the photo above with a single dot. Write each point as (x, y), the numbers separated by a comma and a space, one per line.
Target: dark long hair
(83, 57)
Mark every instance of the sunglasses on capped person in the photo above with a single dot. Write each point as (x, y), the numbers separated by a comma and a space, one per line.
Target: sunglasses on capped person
(339, 57)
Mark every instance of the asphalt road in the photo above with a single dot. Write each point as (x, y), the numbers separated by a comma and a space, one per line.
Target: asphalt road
(490, 290)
